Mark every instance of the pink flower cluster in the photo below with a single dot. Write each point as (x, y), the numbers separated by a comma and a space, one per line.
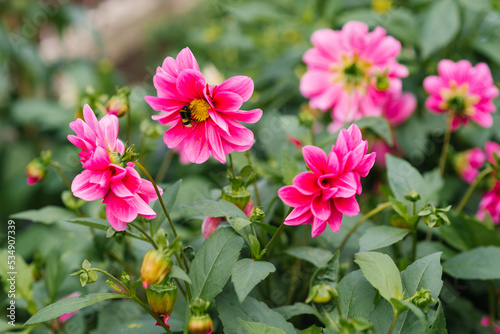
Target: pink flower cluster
(354, 73)
(204, 119)
(466, 91)
(327, 192)
(106, 176)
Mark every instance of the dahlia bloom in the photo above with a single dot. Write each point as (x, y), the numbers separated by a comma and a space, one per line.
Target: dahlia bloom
(468, 163)
(352, 72)
(106, 175)
(210, 224)
(491, 204)
(213, 126)
(492, 149)
(466, 91)
(327, 192)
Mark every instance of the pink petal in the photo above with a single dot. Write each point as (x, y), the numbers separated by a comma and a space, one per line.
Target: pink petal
(320, 208)
(318, 227)
(446, 69)
(176, 134)
(298, 216)
(162, 104)
(117, 224)
(307, 183)
(216, 147)
(335, 219)
(348, 206)
(227, 101)
(186, 84)
(250, 116)
(98, 160)
(315, 159)
(119, 208)
(186, 60)
(346, 185)
(219, 120)
(82, 188)
(241, 85)
(292, 197)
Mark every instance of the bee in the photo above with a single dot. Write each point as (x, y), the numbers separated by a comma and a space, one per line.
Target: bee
(186, 117)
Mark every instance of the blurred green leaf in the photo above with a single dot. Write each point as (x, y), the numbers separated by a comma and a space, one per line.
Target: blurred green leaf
(259, 328)
(290, 311)
(46, 215)
(379, 125)
(381, 236)
(316, 256)
(356, 295)
(480, 263)
(247, 273)
(47, 115)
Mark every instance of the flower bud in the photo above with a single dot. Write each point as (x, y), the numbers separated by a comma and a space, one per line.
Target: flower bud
(209, 225)
(161, 299)
(412, 196)
(201, 324)
(118, 104)
(155, 267)
(258, 215)
(35, 171)
(321, 294)
(306, 119)
(423, 299)
(239, 197)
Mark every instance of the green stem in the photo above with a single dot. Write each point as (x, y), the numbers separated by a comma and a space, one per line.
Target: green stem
(150, 238)
(491, 295)
(373, 212)
(188, 288)
(57, 167)
(255, 188)
(471, 189)
(337, 305)
(277, 233)
(396, 316)
(414, 244)
(164, 210)
(162, 171)
(135, 298)
(447, 136)
(231, 166)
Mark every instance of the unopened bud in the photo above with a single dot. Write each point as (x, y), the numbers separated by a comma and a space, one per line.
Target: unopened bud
(306, 119)
(155, 267)
(258, 215)
(412, 196)
(161, 299)
(423, 299)
(239, 197)
(201, 324)
(321, 294)
(35, 171)
(118, 104)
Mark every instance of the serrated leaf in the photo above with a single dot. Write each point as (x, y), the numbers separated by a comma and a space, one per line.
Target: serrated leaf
(177, 272)
(379, 269)
(316, 256)
(212, 264)
(247, 273)
(381, 236)
(439, 324)
(480, 263)
(424, 273)
(69, 305)
(259, 328)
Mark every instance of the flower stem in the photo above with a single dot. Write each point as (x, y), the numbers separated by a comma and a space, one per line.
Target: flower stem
(58, 169)
(165, 211)
(469, 191)
(231, 166)
(135, 298)
(162, 171)
(150, 238)
(255, 188)
(446, 143)
(379, 208)
(277, 233)
(396, 316)
(414, 244)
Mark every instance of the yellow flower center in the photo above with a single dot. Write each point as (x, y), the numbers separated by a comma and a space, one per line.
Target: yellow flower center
(353, 72)
(199, 110)
(457, 99)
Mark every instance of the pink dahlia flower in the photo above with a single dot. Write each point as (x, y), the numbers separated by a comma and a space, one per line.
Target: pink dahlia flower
(492, 152)
(468, 163)
(210, 224)
(327, 192)
(352, 72)
(491, 204)
(106, 176)
(204, 119)
(466, 91)
(399, 108)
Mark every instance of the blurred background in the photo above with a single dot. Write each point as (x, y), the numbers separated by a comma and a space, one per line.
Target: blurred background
(57, 55)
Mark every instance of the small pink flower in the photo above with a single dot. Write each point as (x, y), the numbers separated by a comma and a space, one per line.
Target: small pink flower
(295, 141)
(380, 148)
(210, 224)
(490, 204)
(492, 150)
(466, 91)
(399, 108)
(468, 163)
(327, 192)
(123, 191)
(352, 72)
(486, 321)
(66, 316)
(213, 124)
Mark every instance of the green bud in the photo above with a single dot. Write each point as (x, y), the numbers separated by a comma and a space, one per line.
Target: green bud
(70, 201)
(412, 196)
(200, 324)
(199, 306)
(258, 215)
(162, 297)
(155, 267)
(113, 286)
(321, 294)
(239, 197)
(423, 299)
(306, 119)
(118, 104)
(434, 217)
(125, 278)
(383, 83)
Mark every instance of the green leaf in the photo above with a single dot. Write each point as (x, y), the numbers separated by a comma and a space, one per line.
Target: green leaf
(289, 167)
(381, 272)
(356, 295)
(23, 276)
(441, 24)
(239, 223)
(381, 236)
(316, 256)
(177, 272)
(328, 273)
(43, 113)
(220, 208)
(312, 330)
(230, 310)
(55, 272)
(424, 273)
(98, 224)
(402, 304)
(290, 311)
(69, 305)
(400, 207)
(259, 328)
(169, 196)
(247, 273)
(439, 324)
(212, 264)
(379, 125)
(47, 215)
(480, 263)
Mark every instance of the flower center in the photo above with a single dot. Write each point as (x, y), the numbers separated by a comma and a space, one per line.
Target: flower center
(353, 73)
(199, 110)
(457, 99)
